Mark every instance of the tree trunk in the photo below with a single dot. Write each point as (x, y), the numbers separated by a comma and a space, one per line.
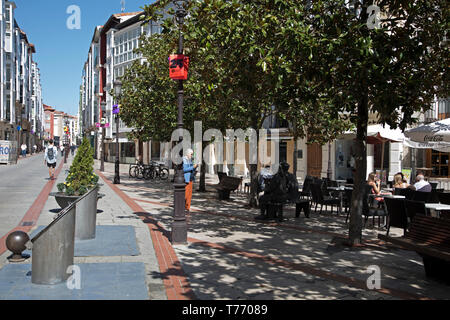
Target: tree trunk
(355, 227)
(294, 167)
(202, 182)
(253, 185)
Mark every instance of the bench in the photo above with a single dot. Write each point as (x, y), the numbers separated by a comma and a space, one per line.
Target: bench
(430, 238)
(226, 186)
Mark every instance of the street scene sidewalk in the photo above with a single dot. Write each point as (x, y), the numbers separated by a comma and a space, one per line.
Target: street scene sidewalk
(228, 255)
(300, 258)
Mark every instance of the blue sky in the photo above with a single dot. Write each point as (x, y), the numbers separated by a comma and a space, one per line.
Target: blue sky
(61, 52)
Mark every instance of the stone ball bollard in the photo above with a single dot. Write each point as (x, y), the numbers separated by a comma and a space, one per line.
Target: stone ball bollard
(16, 243)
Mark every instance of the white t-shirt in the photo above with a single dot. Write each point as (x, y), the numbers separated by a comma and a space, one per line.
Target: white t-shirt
(420, 184)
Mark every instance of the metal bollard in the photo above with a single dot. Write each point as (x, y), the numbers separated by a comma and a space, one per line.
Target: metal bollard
(86, 216)
(53, 249)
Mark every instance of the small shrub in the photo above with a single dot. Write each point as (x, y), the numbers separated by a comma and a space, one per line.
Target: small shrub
(81, 177)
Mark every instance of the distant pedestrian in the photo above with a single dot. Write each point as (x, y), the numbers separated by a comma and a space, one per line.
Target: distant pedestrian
(51, 153)
(62, 150)
(34, 148)
(189, 170)
(24, 150)
(72, 149)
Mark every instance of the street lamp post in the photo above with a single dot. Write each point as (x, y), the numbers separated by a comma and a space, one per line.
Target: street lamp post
(66, 139)
(102, 161)
(118, 92)
(179, 226)
(329, 170)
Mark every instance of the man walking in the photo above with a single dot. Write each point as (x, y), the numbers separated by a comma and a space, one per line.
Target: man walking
(50, 159)
(24, 150)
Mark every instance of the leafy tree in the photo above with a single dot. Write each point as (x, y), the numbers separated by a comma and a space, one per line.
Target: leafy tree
(394, 71)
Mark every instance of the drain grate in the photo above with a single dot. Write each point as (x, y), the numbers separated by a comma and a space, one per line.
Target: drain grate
(27, 224)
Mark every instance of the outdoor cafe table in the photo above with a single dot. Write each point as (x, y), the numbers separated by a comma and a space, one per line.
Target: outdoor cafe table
(341, 191)
(436, 208)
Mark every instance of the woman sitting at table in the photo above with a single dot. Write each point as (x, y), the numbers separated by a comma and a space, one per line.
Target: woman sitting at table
(374, 182)
(376, 186)
(399, 182)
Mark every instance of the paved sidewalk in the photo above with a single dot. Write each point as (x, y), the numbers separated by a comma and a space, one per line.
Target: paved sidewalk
(102, 258)
(231, 256)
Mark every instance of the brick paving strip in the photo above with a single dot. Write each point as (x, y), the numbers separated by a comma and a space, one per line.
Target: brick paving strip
(174, 278)
(157, 228)
(32, 215)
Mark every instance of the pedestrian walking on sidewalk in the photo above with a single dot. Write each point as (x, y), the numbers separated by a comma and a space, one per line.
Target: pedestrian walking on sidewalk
(24, 150)
(189, 170)
(51, 153)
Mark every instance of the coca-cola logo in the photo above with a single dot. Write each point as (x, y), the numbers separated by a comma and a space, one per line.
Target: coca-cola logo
(436, 138)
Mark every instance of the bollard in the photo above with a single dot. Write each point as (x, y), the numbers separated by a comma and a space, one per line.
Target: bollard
(86, 216)
(53, 249)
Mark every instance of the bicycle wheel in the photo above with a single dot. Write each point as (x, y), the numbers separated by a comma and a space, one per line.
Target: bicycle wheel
(164, 174)
(131, 172)
(139, 173)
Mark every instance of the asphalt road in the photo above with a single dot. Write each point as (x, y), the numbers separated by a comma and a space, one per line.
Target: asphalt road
(19, 187)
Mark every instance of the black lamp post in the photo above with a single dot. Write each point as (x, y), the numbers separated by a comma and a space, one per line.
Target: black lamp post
(66, 139)
(118, 93)
(179, 226)
(102, 161)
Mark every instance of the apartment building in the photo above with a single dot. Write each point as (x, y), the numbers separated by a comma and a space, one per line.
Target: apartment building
(21, 107)
(111, 52)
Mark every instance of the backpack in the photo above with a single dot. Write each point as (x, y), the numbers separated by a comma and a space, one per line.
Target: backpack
(50, 153)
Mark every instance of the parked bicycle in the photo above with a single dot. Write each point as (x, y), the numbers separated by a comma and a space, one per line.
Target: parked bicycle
(136, 170)
(156, 170)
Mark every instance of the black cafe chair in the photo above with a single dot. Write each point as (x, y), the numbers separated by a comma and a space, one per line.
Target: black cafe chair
(421, 196)
(396, 210)
(444, 197)
(414, 208)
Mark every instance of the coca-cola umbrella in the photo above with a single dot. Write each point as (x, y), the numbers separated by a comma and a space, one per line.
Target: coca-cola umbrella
(435, 132)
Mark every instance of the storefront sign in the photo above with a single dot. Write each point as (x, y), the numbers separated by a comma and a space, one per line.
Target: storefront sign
(8, 152)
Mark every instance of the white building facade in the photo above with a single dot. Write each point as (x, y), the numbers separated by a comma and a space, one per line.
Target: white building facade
(21, 107)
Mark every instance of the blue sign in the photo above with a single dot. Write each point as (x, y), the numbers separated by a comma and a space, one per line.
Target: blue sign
(4, 151)
(116, 109)
(19, 128)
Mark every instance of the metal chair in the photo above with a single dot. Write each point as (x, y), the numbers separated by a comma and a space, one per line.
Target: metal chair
(369, 208)
(414, 208)
(324, 200)
(421, 196)
(444, 197)
(396, 211)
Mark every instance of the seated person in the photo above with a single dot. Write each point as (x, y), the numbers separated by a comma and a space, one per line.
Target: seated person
(376, 186)
(399, 182)
(265, 173)
(374, 182)
(282, 186)
(421, 185)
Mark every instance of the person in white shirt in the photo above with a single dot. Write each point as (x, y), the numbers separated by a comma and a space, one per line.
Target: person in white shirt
(51, 152)
(24, 150)
(422, 185)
